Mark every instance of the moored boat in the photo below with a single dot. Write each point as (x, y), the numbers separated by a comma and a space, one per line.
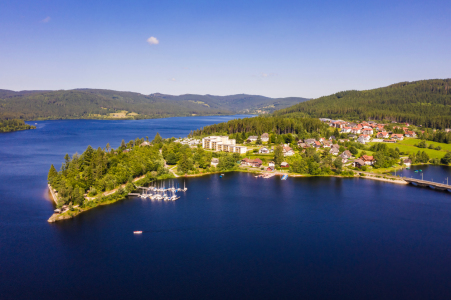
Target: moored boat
(137, 232)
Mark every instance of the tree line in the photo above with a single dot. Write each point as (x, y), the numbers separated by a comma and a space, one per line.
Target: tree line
(426, 103)
(14, 125)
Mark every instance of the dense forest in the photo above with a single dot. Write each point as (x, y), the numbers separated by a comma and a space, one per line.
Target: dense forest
(303, 127)
(96, 171)
(426, 103)
(99, 104)
(14, 125)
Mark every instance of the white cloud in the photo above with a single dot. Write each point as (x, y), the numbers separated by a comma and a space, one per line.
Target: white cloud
(153, 40)
(46, 20)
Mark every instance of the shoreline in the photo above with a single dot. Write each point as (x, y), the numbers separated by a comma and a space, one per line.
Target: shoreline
(77, 210)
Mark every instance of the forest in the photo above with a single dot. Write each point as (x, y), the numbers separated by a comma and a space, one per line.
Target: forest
(14, 125)
(426, 103)
(98, 170)
(302, 127)
(100, 104)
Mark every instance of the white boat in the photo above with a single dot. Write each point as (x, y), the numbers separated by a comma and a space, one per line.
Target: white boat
(137, 232)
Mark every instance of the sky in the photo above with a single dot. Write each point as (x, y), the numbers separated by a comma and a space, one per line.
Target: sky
(270, 48)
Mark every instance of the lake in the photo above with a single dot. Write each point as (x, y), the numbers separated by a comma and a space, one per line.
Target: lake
(235, 237)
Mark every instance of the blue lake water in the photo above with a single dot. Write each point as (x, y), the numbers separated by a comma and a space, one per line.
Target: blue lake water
(235, 237)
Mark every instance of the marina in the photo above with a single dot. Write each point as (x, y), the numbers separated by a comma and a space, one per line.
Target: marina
(159, 192)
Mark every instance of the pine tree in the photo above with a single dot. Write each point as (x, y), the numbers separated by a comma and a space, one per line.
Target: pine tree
(278, 155)
(158, 139)
(52, 174)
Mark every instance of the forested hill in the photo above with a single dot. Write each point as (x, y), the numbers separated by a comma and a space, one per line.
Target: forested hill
(425, 102)
(96, 103)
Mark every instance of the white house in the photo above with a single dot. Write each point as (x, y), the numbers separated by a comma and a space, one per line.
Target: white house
(214, 162)
(265, 137)
(363, 138)
(263, 150)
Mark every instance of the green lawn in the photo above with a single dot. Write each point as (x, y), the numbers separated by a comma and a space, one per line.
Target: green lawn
(411, 142)
(407, 146)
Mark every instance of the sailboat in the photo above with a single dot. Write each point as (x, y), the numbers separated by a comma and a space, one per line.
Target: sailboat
(184, 187)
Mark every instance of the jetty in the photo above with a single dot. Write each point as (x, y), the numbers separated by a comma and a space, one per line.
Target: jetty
(430, 184)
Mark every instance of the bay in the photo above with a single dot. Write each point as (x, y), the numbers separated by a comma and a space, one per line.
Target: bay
(232, 237)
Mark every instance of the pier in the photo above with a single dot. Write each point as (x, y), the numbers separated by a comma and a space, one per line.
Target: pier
(431, 184)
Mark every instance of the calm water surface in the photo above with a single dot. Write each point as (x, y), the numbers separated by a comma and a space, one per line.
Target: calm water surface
(226, 238)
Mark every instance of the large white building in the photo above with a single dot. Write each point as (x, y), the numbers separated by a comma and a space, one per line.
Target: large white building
(222, 143)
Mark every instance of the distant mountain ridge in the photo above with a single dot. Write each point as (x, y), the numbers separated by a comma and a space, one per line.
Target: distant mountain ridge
(110, 104)
(424, 102)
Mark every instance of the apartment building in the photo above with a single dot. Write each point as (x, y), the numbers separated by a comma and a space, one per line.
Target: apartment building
(222, 143)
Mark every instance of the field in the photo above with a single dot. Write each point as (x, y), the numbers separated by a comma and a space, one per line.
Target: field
(407, 146)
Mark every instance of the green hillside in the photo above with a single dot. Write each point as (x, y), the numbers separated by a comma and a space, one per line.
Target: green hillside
(425, 102)
(98, 104)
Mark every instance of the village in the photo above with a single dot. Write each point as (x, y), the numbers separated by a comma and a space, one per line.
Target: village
(257, 151)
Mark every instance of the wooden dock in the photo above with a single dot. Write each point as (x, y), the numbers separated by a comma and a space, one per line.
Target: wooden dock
(431, 184)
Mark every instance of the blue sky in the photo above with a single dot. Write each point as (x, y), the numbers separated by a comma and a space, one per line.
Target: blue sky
(270, 48)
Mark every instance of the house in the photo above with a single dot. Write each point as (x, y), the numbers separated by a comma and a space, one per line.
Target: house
(271, 164)
(246, 162)
(380, 127)
(367, 131)
(252, 138)
(397, 136)
(382, 135)
(270, 169)
(310, 142)
(126, 151)
(251, 162)
(346, 154)
(327, 144)
(407, 162)
(214, 162)
(332, 137)
(357, 129)
(346, 129)
(265, 137)
(284, 165)
(363, 138)
(368, 160)
(352, 136)
(334, 151)
(317, 144)
(256, 163)
(287, 151)
(321, 140)
(358, 163)
(410, 134)
(263, 150)
(303, 145)
(146, 143)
